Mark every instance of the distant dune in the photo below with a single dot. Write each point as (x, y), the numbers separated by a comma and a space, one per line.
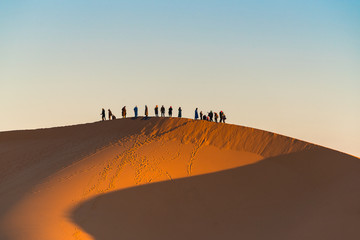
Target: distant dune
(169, 178)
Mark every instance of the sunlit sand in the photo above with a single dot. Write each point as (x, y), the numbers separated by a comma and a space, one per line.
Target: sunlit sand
(169, 178)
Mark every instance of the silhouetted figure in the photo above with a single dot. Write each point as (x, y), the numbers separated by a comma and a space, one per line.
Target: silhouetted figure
(146, 111)
(216, 116)
(113, 117)
(110, 114)
(123, 112)
(204, 117)
(170, 111)
(162, 111)
(224, 117)
(156, 111)
(221, 116)
(103, 115)
(196, 114)
(180, 112)
(201, 115)
(211, 116)
(136, 111)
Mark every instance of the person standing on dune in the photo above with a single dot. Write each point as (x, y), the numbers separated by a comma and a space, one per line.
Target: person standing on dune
(216, 116)
(103, 115)
(211, 114)
(170, 111)
(156, 111)
(196, 114)
(222, 117)
(162, 111)
(180, 112)
(124, 112)
(110, 114)
(201, 115)
(136, 111)
(146, 111)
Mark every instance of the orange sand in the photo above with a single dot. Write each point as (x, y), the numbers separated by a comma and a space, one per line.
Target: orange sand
(173, 179)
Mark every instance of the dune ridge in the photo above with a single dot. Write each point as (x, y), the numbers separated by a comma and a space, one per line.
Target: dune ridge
(58, 183)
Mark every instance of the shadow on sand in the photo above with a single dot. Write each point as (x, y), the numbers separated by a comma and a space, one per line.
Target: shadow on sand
(313, 194)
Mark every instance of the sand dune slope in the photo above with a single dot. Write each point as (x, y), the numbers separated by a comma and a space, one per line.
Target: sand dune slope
(173, 179)
(277, 198)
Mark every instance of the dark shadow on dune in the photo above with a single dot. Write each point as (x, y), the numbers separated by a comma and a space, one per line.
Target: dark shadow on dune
(312, 194)
(161, 133)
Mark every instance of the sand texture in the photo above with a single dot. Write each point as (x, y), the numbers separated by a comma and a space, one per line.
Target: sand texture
(169, 178)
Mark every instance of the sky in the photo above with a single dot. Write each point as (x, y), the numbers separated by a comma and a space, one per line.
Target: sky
(290, 67)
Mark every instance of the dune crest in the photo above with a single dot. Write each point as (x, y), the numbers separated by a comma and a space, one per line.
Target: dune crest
(56, 182)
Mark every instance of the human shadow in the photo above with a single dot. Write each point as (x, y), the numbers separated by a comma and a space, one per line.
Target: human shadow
(312, 194)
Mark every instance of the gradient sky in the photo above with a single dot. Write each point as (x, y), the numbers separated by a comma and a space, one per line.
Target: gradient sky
(291, 67)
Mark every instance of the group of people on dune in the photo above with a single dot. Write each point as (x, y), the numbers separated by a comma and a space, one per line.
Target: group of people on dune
(162, 111)
(211, 116)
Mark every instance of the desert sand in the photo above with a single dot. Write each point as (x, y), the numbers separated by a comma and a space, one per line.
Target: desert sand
(168, 178)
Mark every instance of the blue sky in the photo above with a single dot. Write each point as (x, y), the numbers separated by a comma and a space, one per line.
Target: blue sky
(292, 67)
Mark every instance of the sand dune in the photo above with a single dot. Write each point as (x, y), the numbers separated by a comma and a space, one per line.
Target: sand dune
(164, 178)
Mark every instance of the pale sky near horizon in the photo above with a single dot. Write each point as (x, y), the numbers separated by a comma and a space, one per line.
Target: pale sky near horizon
(290, 67)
